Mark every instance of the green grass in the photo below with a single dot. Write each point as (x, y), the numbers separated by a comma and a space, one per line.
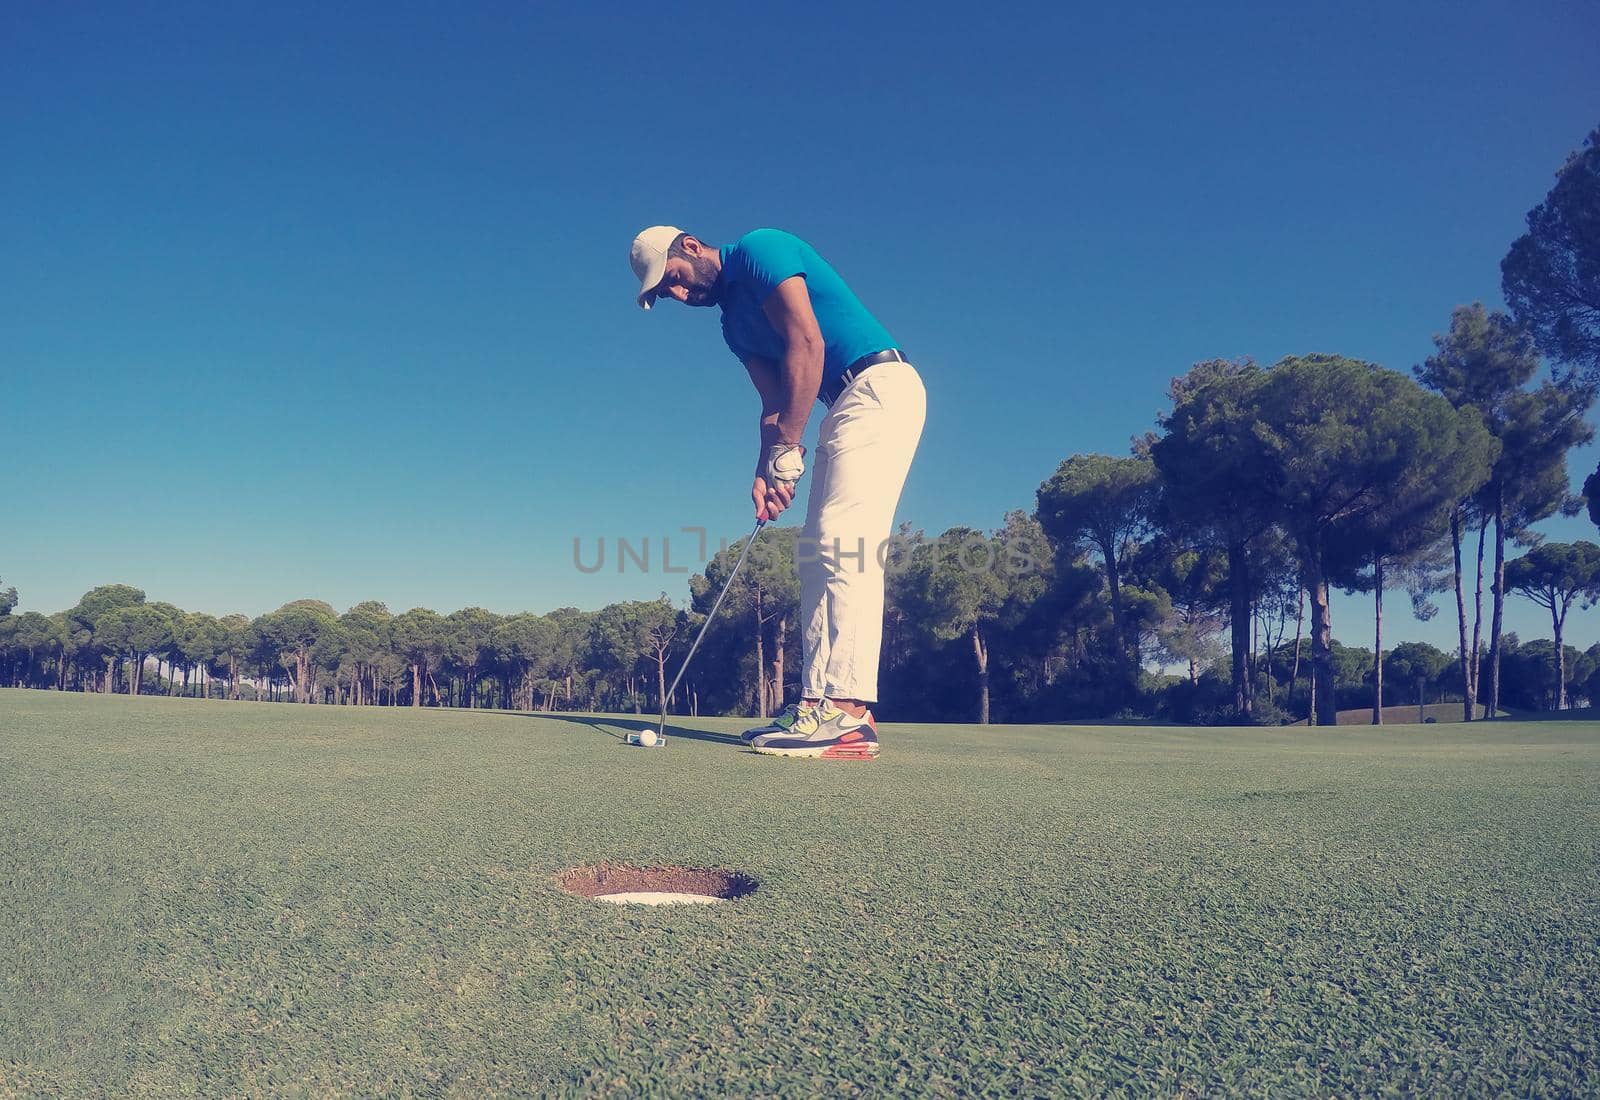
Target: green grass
(204, 897)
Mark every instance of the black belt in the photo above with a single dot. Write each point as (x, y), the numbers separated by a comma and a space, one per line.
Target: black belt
(830, 394)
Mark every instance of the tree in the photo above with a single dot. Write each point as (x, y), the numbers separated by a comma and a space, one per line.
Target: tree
(135, 632)
(197, 637)
(1448, 461)
(1340, 436)
(1485, 362)
(761, 607)
(1195, 581)
(330, 662)
(293, 631)
(1106, 504)
(469, 645)
(526, 645)
(85, 618)
(961, 594)
(1554, 575)
(1591, 493)
(1551, 275)
(366, 634)
(8, 600)
(418, 637)
(1530, 480)
(638, 629)
(1529, 669)
(1212, 464)
(234, 641)
(33, 634)
(1481, 363)
(573, 630)
(1410, 663)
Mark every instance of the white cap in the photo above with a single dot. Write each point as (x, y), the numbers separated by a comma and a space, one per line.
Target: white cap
(649, 259)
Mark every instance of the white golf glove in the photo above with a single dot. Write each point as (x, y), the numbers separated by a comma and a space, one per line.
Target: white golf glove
(784, 464)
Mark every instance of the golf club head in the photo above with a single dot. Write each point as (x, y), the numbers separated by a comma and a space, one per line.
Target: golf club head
(633, 740)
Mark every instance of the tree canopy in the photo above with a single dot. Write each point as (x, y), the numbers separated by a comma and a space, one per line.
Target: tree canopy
(1551, 275)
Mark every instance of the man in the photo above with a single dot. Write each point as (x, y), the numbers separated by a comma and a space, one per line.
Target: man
(804, 337)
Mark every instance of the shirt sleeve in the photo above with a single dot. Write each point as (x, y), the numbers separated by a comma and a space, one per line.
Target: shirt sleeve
(770, 256)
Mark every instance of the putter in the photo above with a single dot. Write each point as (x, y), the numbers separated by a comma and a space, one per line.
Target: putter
(661, 733)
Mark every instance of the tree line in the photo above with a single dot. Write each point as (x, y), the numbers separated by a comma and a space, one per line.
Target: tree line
(1212, 547)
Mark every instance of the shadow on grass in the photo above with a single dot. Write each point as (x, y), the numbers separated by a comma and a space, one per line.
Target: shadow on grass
(1585, 714)
(609, 725)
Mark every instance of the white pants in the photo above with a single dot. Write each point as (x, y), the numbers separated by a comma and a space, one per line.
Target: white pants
(863, 454)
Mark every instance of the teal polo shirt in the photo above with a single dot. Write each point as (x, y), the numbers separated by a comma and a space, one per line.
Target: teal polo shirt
(752, 268)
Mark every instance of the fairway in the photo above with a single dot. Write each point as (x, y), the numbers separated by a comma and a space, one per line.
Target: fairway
(248, 898)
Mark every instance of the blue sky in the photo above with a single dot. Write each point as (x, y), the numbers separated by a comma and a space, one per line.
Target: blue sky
(304, 302)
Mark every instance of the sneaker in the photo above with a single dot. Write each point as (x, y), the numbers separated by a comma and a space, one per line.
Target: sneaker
(823, 731)
(782, 723)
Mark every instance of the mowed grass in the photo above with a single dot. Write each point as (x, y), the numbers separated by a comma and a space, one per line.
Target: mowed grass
(205, 897)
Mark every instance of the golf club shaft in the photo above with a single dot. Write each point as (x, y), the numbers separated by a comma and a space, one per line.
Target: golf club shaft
(727, 584)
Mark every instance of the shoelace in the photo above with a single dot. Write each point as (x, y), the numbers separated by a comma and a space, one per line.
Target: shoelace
(791, 715)
(810, 721)
(807, 721)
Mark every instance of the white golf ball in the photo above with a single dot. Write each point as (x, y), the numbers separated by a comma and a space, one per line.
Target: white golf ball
(647, 738)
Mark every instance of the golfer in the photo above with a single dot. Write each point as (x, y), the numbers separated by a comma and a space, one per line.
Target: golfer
(804, 337)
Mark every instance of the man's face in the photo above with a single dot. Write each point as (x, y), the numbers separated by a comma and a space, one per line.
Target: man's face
(690, 276)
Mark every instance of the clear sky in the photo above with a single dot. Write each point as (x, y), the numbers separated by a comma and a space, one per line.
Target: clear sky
(330, 300)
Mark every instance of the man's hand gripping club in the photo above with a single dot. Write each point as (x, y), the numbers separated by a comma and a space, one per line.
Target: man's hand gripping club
(782, 464)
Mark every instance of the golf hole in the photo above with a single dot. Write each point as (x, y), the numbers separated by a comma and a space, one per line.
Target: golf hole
(621, 884)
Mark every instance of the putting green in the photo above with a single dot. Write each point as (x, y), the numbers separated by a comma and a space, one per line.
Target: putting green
(252, 898)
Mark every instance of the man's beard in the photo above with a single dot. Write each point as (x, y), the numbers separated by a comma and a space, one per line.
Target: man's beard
(703, 290)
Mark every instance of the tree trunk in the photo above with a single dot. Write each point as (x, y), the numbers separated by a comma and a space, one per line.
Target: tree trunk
(1108, 550)
(1299, 622)
(138, 674)
(433, 685)
(1255, 644)
(1498, 591)
(761, 666)
(661, 678)
(780, 630)
(1477, 622)
(1326, 709)
(1239, 625)
(416, 684)
(1557, 622)
(1461, 615)
(1377, 641)
(980, 651)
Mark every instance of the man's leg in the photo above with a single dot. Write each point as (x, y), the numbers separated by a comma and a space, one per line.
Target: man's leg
(814, 578)
(864, 451)
(876, 426)
(813, 605)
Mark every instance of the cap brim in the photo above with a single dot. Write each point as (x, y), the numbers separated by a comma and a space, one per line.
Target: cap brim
(652, 279)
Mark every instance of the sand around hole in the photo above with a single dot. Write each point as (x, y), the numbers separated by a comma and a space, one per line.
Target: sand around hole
(626, 885)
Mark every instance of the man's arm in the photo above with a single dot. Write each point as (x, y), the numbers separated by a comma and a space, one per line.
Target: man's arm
(767, 376)
(788, 389)
(788, 308)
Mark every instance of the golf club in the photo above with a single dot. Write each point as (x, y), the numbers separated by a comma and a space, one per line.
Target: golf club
(661, 734)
